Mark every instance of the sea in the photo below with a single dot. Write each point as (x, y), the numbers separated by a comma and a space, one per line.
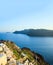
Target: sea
(41, 45)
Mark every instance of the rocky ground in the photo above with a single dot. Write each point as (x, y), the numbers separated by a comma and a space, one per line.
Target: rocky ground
(23, 56)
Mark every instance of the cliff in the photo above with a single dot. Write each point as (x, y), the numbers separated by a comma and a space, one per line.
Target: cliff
(36, 32)
(24, 54)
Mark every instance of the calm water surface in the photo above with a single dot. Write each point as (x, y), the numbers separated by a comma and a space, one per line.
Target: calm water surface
(41, 45)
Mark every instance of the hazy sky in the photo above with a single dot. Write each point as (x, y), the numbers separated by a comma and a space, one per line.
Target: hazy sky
(24, 14)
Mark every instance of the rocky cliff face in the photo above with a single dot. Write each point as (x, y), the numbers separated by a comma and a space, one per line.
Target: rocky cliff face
(38, 59)
(25, 54)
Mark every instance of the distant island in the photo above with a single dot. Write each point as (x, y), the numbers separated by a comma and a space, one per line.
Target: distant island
(36, 32)
(10, 54)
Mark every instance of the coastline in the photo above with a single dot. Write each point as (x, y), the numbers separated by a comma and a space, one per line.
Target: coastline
(32, 56)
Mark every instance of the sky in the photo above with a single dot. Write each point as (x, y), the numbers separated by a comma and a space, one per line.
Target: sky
(25, 14)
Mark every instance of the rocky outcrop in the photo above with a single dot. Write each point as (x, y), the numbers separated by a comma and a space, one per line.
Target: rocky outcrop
(25, 54)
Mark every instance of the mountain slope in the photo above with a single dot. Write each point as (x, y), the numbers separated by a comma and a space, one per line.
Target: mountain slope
(23, 55)
(36, 32)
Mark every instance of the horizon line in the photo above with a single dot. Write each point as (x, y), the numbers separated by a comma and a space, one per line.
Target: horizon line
(26, 29)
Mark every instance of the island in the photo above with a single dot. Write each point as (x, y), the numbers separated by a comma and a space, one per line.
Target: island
(36, 32)
(11, 54)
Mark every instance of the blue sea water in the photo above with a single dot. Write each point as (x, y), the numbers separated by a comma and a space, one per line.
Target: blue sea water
(41, 45)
